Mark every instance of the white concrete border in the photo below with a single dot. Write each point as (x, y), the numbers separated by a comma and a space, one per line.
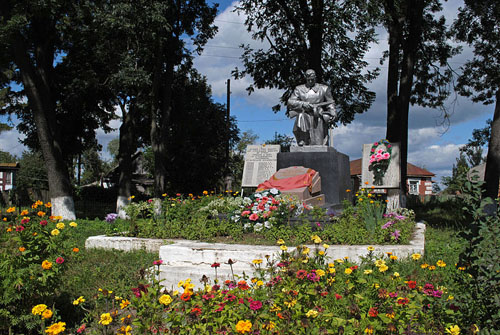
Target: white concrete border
(184, 259)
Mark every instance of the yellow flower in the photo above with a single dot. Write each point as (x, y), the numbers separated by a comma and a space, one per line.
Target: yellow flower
(348, 271)
(259, 283)
(331, 265)
(305, 251)
(47, 314)
(48, 205)
(56, 328)
(73, 224)
(46, 265)
(11, 209)
(425, 265)
(396, 274)
(331, 270)
(461, 268)
(106, 319)
(79, 301)
(283, 247)
(124, 330)
(312, 313)
(369, 330)
(393, 257)
(165, 299)
(280, 241)
(432, 267)
(257, 261)
(269, 326)
(243, 327)
(453, 330)
(24, 212)
(38, 309)
(316, 239)
(321, 253)
(379, 263)
(124, 303)
(275, 308)
(416, 257)
(291, 303)
(440, 263)
(326, 246)
(383, 268)
(367, 272)
(60, 225)
(320, 272)
(40, 214)
(370, 248)
(339, 260)
(55, 232)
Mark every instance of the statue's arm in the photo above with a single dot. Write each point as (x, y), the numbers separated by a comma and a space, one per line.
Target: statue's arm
(328, 98)
(294, 103)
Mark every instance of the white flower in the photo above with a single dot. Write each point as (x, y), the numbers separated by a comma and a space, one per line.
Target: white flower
(267, 224)
(258, 195)
(247, 225)
(258, 227)
(274, 191)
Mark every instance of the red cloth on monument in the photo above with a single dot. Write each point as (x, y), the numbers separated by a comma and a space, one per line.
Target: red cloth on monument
(303, 180)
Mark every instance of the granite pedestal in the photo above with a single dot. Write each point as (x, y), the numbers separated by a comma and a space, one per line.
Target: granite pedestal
(333, 167)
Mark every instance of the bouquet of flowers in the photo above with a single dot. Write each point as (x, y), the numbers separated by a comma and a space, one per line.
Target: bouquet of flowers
(380, 159)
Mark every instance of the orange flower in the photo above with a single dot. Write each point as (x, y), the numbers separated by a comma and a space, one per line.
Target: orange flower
(48, 205)
(76, 250)
(24, 212)
(46, 265)
(186, 296)
(22, 249)
(40, 213)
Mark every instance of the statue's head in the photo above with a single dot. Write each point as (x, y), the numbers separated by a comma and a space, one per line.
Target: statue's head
(310, 77)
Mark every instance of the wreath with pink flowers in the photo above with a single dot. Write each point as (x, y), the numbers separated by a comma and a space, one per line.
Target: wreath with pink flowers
(380, 160)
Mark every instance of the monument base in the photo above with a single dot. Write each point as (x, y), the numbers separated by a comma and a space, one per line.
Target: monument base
(333, 167)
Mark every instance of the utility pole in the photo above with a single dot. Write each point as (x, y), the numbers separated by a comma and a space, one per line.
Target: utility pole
(228, 180)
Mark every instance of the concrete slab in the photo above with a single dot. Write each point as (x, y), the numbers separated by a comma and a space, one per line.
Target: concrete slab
(184, 259)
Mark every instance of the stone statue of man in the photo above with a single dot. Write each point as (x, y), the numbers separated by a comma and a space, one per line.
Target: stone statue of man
(313, 108)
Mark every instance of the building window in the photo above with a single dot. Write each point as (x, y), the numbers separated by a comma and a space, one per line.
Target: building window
(8, 178)
(413, 186)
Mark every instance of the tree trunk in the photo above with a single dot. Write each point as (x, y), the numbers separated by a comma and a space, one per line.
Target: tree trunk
(37, 86)
(315, 35)
(492, 173)
(126, 150)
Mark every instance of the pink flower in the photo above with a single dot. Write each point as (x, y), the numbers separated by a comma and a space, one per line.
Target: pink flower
(158, 262)
(59, 260)
(255, 305)
(25, 221)
(245, 213)
(43, 222)
(19, 228)
(254, 217)
(81, 329)
(386, 155)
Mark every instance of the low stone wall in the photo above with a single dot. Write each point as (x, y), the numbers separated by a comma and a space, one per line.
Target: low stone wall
(184, 259)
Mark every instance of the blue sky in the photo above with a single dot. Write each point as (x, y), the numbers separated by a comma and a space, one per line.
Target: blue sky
(431, 146)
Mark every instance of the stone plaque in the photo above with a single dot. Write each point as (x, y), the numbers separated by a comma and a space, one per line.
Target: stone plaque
(260, 164)
(391, 177)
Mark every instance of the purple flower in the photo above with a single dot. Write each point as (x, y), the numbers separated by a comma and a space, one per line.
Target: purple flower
(313, 277)
(396, 234)
(111, 217)
(255, 305)
(387, 224)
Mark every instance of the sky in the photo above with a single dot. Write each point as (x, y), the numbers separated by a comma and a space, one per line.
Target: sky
(431, 145)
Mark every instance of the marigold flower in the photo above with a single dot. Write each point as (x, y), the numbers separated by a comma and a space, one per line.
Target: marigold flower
(320, 272)
(164, 300)
(432, 268)
(73, 224)
(60, 225)
(257, 261)
(22, 249)
(440, 263)
(186, 296)
(79, 301)
(47, 314)
(48, 205)
(40, 214)
(416, 257)
(24, 212)
(379, 262)
(38, 309)
(370, 248)
(383, 268)
(305, 251)
(367, 272)
(394, 257)
(348, 271)
(283, 247)
(425, 265)
(55, 232)
(106, 319)
(76, 250)
(243, 327)
(46, 265)
(11, 209)
(316, 239)
(56, 328)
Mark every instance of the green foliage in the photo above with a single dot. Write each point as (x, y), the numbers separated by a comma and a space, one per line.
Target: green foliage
(480, 296)
(328, 37)
(370, 207)
(283, 140)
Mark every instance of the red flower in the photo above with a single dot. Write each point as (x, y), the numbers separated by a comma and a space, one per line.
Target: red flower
(324, 294)
(196, 311)
(138, 290)
(412, 284)
(186, 296)
(242, 285)
(253, 217)
(221, 307)
(158, 262)
(215, 265)
(43, 222)
(338, 296)
(403, 301)
(59, 260)
(255, 305)
(19, 228)
(373, 312)
(25, 221)
(301, 274)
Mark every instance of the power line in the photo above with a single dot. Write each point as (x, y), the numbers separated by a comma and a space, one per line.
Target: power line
(262, 120)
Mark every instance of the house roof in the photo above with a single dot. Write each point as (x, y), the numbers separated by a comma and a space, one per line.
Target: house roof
(412, 170)
(9, 166)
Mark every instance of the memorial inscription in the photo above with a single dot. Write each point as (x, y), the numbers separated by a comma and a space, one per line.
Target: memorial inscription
(260, 164)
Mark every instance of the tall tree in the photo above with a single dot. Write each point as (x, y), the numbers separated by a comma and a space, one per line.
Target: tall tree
(42, 46)
(417, 69)
(478, 25)
(330, 37)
